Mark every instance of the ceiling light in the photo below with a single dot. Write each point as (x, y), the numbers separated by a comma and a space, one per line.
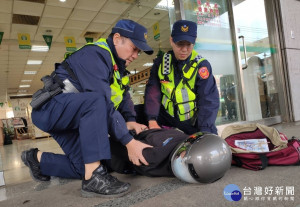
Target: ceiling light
(26, 80)
(62, 0)
(22, 91)
(24, 86)
(134, 72)
(39, 48)
(164, 5)
(34, 62)
(30, 72)
(21, 94)
(141, 85)
(148, 64)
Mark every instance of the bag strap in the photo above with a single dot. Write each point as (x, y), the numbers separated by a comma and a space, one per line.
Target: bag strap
(264, 161)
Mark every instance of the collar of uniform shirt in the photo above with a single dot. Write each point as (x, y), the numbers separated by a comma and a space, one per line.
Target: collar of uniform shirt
(120, 62)
(178, 64)
(181, 62)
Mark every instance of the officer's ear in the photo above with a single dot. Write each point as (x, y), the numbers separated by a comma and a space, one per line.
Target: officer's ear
(171, 41)
(117, 39)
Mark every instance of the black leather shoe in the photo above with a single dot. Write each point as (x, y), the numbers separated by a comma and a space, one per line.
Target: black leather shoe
(102, 184)
(28, 157)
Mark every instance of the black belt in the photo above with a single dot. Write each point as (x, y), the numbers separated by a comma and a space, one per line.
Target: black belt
(69, 70)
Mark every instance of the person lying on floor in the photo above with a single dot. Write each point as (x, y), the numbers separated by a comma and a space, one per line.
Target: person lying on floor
(201, 157)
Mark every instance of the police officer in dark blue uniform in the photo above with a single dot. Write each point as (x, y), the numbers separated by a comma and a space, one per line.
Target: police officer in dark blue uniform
(182, 91)
(93, 105)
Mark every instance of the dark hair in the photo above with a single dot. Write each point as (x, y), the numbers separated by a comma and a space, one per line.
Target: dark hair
(111, 35)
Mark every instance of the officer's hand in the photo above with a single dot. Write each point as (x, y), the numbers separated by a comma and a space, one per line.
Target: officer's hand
(135, 149)
(153, 125)
(131, 125)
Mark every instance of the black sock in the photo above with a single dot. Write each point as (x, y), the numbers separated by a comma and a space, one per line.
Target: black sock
(35, 154)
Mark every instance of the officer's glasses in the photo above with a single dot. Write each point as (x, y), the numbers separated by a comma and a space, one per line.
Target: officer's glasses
(134, 48)
(184, 44)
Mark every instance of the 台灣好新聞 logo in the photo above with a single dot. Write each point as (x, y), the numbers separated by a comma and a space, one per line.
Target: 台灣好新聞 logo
(232, 192)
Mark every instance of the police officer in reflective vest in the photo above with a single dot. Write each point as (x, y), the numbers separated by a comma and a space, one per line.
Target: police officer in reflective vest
(92, 105)
(181, 91)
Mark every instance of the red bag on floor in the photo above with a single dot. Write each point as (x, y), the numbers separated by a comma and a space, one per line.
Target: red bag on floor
(255, 146)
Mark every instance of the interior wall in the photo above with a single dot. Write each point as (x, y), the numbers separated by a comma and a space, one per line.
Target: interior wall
(4, 107)
(291, 31)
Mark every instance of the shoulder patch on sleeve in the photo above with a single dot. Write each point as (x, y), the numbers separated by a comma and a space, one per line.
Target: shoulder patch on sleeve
(203, 72)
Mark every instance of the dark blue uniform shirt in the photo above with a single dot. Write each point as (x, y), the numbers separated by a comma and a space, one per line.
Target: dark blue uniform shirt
(207, 95)
(92, 66)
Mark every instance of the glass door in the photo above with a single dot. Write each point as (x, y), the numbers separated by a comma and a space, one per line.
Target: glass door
(215, 43)
(237, 37)
(257, 52)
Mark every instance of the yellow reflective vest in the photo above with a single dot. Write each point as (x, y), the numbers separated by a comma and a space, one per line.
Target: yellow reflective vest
(119, 84)
(182, 96)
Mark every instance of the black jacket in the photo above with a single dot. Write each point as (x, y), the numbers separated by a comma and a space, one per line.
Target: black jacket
(164, 141)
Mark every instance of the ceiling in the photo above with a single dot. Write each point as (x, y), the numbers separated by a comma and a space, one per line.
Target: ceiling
(75, 18)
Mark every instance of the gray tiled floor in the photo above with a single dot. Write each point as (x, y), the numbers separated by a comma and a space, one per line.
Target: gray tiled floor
(20, 190)
(14, 170)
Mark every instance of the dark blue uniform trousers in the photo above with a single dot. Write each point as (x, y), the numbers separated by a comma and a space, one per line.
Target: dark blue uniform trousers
(78, 122)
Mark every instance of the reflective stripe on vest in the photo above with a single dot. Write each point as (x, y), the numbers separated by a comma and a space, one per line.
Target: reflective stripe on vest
(118, 86)
(183, 95)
